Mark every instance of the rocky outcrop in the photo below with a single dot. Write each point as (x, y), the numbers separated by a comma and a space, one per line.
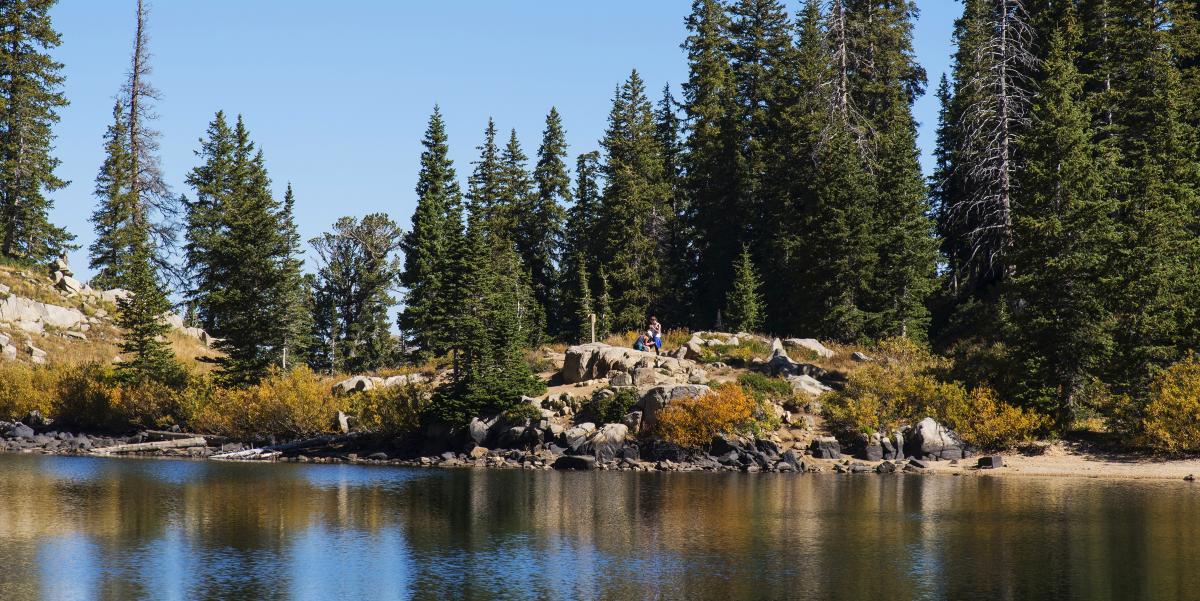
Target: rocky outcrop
(810, 344)
(367, 383)
(931, 440)
(594, 361)
(780, 364)
(808, 385)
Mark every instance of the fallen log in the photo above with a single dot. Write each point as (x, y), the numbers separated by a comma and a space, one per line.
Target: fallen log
(177, 443)
(273, 451)
(169, 434)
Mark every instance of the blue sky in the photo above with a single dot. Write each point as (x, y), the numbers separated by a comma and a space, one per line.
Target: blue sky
(337, 94)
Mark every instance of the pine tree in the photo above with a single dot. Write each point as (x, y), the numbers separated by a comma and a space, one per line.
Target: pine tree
(139, 207)
(243, 256)
(485, 186)
(436, 222)
(678, 256)
(712, 154)
(634, 193)
(540, 225)
(577, 305)
(1064, 236)
(604, 314)
(356, 271)
(1157, 200)
(490, 374)
(744, 307)
(30, 97)
(885, 81)
(295, 290)
(580, 235)
(149, 355)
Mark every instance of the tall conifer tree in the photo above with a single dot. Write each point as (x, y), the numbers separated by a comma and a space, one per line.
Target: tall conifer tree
(30, 97)
(436, 224)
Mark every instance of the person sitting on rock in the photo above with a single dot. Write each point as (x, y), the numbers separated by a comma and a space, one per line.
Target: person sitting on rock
(645, 342)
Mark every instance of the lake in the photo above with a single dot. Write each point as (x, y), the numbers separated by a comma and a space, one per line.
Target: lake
(92, 528)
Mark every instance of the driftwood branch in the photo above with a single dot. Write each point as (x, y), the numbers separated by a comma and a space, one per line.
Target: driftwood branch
(177, 443)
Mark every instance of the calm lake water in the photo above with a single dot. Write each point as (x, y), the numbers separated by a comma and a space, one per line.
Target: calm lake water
(85, 528)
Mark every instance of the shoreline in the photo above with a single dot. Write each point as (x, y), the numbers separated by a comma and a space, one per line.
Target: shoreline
(1061, 460)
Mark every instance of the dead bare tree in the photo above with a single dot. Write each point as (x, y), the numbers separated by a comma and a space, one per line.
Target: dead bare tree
(996, 97)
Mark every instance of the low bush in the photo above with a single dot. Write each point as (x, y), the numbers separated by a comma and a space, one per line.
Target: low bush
(1170, 421)
(609, 409)
(905, 387)
(523, 412)
(692, 422)
(294, 404)
(25, 388)
(392, 410)
(764, 387)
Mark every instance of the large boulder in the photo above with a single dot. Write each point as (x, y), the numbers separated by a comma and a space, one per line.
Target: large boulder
(810, 344)
(478, 430)
(354, 384)
(808, 385)
(931, 440)
(592, 361)
(658, 397)
(826, 447)
(606, 442)
(578, 436)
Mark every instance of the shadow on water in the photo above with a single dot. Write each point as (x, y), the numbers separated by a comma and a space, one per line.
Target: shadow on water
(85, 528)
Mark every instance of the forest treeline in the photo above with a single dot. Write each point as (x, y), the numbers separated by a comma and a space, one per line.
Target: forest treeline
(778, 188)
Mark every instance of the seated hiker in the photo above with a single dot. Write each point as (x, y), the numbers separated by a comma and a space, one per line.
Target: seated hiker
(645, 342)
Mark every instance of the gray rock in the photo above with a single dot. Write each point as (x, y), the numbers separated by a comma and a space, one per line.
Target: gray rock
(578, 436)
(826, 447)
(792, 458)
(723, 444)
(645, 376)
(931, 440)
(619, 379)
(810, 344)
(606, 442)
(860, 357)
(887, 467)
(633, 420)
(575, 462)
(19, 430)
(478, 430)
(873, 452)
(988, 462)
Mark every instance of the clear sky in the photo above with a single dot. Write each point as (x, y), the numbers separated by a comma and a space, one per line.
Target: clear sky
(337, 94)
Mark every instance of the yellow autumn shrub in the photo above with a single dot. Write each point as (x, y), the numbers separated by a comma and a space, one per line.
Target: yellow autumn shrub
(693, 421)
(986, 422)
(393, 410)
(25, 388)
(1171, 421)
(292, 404)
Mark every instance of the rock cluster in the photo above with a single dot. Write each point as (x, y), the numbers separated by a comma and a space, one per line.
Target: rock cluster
(367, 383)
(595, 360)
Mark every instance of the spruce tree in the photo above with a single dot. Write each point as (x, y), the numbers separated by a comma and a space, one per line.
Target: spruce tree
(295, 290)
(634, 194)
(436, 222)
(490, 374)
(485, 185)
(604, 314)
(744, 307)
(242, 252)
(1157, 200)
(885, 81)
(580, 233)
(148, 356)
(712, 154)
(1064, 238)
(30, 97)
(678, 255)
(540, 225)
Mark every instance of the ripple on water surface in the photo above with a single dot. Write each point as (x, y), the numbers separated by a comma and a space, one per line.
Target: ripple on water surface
(89, 528)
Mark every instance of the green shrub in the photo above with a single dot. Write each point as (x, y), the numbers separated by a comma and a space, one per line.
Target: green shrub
(609, 409)
(764, 387)
(523, 412)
